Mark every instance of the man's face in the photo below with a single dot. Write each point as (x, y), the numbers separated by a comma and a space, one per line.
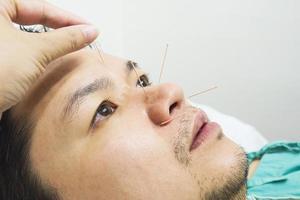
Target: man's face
(99, 135)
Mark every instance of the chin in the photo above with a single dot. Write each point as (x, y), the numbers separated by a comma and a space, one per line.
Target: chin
(221, 170)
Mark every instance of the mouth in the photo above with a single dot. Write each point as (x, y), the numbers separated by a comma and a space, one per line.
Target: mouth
(203, 128)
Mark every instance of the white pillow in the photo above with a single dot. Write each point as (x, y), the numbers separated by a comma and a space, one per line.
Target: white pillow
(241, 133)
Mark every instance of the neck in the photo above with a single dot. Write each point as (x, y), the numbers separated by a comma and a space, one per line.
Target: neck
(252, 168)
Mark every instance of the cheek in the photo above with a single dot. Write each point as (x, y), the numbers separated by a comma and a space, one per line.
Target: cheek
(126, 155)
(137, 165)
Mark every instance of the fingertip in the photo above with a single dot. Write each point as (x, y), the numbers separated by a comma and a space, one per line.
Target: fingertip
(90, 33)
(66, 40)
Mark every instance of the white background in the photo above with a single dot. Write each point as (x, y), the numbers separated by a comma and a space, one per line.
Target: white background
(249, 49)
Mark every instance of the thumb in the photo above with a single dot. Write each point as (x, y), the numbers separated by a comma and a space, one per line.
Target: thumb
(65, 40)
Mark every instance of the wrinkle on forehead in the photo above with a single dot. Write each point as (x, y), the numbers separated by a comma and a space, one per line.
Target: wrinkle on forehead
(51, 79)
(54, 74)
(57, 73)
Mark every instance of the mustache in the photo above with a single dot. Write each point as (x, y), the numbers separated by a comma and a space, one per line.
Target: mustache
(181, 139)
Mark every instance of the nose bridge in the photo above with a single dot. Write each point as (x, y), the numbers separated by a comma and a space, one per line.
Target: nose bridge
(162, 100)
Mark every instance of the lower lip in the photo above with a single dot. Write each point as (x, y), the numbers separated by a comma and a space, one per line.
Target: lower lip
(208, 130)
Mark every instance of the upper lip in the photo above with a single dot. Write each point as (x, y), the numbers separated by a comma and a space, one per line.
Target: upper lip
(200, 120)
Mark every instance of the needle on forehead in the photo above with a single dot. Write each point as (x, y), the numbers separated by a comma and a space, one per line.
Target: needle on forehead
(202, 92)
(99, 50)
(163, 63)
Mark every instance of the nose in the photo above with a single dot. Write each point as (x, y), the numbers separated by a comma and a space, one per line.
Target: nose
(163, 101)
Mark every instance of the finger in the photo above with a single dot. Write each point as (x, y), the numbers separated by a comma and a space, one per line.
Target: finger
(40, 12)
(62, 41)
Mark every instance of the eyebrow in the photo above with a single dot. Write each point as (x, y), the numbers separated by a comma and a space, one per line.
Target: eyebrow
(100, 84)
(79, 95)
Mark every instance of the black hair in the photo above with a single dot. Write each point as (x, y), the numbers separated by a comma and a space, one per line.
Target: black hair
(18, 181)
(17, 178)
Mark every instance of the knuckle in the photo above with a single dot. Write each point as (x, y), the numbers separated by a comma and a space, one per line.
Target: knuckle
(73, 42)
(44, 60)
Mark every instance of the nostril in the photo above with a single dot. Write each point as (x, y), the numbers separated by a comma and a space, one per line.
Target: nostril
(172, 107)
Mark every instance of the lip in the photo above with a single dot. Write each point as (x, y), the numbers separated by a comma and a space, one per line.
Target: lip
(200, 121)
(202, 130)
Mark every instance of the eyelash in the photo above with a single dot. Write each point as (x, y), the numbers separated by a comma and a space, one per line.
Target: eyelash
(108, 106)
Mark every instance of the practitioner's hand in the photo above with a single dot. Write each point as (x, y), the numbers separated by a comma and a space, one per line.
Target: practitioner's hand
(24, 56)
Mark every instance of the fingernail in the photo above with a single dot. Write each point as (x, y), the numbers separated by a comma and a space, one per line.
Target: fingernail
(90, 33)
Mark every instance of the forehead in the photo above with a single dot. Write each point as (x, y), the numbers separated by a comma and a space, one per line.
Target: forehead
(68, 73)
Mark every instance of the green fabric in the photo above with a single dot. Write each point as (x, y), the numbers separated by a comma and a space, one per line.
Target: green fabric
(278, 174)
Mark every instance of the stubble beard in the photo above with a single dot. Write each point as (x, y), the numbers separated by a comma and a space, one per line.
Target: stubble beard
(234, 183)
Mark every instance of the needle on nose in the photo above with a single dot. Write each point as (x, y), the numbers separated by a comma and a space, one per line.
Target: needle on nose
(137, 76)
(163, 63)
(202, 92)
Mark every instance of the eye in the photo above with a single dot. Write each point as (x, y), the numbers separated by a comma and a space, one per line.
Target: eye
(105, 110)
(143, 81)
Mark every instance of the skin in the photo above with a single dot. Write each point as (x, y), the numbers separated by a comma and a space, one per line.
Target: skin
(129, 154)
(253, 167)
(19, 71)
